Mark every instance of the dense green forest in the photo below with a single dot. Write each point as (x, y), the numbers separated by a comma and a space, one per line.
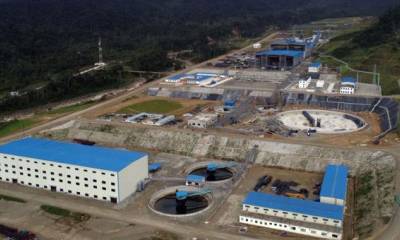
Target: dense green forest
(377, 45)
(44, 42)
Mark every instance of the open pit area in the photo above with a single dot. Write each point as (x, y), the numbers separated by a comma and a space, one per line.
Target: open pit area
(322, 121)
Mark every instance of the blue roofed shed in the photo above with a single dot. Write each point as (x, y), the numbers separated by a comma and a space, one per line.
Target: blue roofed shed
(334, 185)
(306, 207)
(154, 167)
(287, 53)
(348, 81)
(72, 153)
(195, 178)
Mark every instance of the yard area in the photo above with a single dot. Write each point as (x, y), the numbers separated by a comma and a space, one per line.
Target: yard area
(152, 106)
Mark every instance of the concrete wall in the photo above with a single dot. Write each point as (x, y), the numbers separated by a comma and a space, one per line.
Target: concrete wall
(131, 176)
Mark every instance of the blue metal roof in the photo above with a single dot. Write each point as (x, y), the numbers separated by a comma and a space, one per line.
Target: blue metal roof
(154, 167)
(230, 103)
(334, 184)
(177, 77)
(315, 64)
(72, 153)
(289, 53)
(195, 178)
(349, 80)
(307, 207)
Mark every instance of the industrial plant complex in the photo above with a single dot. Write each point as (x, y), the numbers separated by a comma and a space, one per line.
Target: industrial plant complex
(252, 145)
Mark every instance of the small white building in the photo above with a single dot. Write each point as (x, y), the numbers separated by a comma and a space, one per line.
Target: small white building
(320, 84)
(347, 89)
(257, 45)
(87, 171)
(203, 120)
(304, 83)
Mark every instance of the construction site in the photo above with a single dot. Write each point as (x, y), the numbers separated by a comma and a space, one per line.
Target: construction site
(248, 148)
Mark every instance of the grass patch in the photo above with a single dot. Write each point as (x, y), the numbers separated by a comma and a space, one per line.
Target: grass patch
(152, 106)
(7, 128)
(72, 108)
(11, 199)
(61, 212)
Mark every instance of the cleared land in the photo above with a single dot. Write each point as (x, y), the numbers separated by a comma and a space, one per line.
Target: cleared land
(18, 125)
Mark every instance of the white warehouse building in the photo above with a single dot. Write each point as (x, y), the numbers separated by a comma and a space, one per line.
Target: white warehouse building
(88, 171)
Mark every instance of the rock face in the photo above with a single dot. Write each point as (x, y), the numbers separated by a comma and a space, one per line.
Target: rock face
(374, 171)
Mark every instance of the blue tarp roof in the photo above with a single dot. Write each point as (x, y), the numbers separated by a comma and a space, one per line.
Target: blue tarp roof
(230, 103)
(334, 184)
(315, 64)
(307, 207)
(195, 178)
(177, 77)
(349, 79)
(72, 153)
(154, 167)
(289, 53)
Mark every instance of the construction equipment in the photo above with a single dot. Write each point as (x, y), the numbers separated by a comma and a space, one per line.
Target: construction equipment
(280, 187)
(309, 118)
(263, 181)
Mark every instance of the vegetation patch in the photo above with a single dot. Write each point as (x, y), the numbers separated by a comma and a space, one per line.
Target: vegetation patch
(72, 108)
(7, 128)
(153, 106)
(11, 199)
(64, 213)
(377, 45)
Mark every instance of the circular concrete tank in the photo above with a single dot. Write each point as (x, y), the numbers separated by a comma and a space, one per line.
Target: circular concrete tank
(223, 173)
(165, 202)
(330, 122)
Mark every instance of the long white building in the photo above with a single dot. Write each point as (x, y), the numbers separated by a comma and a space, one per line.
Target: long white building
(323, 219)
(293, 215)
(88, 171)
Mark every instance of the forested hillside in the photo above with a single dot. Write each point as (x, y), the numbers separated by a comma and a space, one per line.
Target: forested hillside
(378, 45)
(46, 41)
